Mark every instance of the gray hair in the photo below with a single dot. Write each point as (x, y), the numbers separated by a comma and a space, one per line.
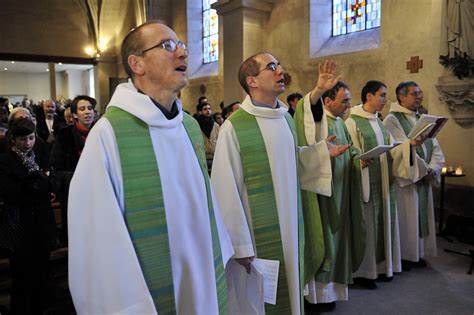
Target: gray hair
(16, 110)
(403, 87)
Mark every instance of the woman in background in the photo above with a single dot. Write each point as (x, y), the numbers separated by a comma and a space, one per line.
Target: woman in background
(67, 149)
(27, 221)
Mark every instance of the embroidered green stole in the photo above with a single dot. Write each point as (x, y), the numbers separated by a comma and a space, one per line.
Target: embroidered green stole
(145, 214)
(375, 176)
(261, 197)
(423, 185)
(344, 238)
(313, 228)
(342, 247)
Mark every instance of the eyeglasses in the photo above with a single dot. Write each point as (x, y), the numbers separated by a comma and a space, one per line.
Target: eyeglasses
(346, 103)
(168, 44)
(272, 66)
(416, 94)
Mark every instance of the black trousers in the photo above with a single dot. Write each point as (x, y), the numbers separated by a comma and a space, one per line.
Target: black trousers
(31, 285)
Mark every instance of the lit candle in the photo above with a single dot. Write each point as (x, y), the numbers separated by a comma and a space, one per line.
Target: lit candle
(458, 170)
(444, 170)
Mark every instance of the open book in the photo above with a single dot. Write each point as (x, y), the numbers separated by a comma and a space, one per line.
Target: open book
(427, 127)
(378, 150)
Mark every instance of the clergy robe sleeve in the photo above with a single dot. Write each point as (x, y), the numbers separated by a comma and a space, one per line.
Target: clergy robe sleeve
(104, 272)
(315, 168)
(228, 184)
(405, 173)
(401, 167)
(437, 161)
(315, 171)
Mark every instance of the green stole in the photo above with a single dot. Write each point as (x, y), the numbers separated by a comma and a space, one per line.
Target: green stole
(423, 185)
(375, 177)
(145, 214)
(349, 232)
(313, 228)
(344, 227)
(262, 203)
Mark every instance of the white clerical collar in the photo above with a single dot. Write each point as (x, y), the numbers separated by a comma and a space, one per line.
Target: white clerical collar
(264, 111)
(359, 111)
(396, 107)
(329, 114)
(127, 97)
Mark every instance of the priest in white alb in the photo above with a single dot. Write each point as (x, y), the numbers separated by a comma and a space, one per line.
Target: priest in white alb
(255, 177)
(145, 233)
(341, 213)
(382, 250)
(415, 197)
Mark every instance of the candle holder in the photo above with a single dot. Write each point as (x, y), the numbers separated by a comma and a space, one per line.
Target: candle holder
(458, 171)
(450, 169)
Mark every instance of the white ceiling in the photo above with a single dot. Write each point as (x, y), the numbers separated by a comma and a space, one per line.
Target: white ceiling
(37, 67)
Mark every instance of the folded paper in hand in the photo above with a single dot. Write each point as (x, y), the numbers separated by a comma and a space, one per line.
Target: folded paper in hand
(269, 270)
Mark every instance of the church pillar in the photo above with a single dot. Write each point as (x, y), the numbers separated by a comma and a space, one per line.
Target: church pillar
(105, 69)
(243, 34)
(52, 80)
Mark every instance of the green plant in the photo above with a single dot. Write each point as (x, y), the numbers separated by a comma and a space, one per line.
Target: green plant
(461, 64)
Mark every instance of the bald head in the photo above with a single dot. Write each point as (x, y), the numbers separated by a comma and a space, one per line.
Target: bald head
(133, 44)
(248, 68)
(49, 108)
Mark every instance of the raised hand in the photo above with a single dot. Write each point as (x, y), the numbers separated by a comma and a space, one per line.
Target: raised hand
(326, 80)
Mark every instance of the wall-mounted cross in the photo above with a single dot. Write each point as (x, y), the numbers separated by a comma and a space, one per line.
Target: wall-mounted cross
(414, 64)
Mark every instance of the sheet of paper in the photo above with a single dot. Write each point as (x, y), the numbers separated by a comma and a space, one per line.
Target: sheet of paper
(378, 150)
(269, 270)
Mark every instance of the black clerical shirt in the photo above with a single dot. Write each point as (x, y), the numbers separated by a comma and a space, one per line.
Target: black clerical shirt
(168, 114)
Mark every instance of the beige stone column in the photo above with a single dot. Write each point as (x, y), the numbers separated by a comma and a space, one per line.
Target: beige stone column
(243, 35)
(52, 80)
(104, 71)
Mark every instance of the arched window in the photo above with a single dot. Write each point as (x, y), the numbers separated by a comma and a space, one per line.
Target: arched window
(349, 16)
(210, 32)
(330, 19)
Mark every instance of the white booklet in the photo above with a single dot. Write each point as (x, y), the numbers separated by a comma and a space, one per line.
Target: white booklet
(269, 270)
(378, 150)
(427, 126)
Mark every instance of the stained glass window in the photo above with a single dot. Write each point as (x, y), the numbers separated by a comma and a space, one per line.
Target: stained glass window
(210, 32)
(350, 16)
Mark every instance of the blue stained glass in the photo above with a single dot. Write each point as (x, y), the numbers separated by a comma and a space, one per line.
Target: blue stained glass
(205, 23)
(210, 30)
(355, 15)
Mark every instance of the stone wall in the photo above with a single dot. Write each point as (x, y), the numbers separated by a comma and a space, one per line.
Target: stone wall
(409, 28)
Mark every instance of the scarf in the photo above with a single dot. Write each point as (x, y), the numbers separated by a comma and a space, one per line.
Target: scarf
(27, 159)
(83, 132)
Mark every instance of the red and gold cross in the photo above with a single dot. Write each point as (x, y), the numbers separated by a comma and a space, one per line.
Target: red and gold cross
(356, 9)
